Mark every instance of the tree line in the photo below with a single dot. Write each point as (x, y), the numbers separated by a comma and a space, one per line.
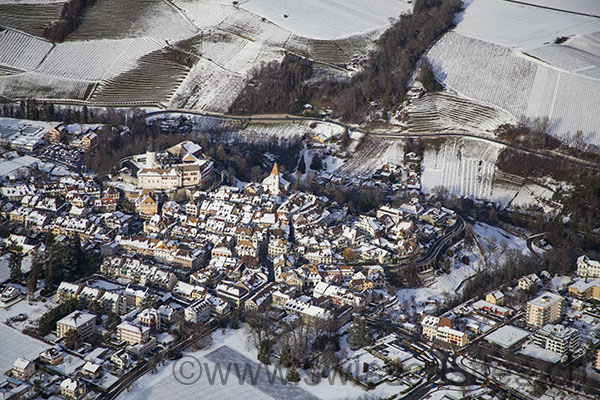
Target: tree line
(383, 79)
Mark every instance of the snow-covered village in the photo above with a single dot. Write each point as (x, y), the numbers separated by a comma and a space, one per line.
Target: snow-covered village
(308, 199)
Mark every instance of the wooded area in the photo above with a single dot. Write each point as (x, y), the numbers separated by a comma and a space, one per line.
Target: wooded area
(283, 88)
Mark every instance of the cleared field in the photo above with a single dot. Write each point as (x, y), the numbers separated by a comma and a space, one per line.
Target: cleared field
(30, 18)
(97, 59)
(21, 51)
(33, 85)
(118, 19)
(153, 79)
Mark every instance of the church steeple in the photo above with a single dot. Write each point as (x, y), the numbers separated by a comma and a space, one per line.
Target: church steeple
(275, 170)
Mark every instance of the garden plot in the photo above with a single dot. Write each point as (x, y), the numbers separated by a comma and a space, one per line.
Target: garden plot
(21, 51)
(520, 26)
(328, 19)
(29, 17)
(96, 59)
(33, 85)
(153, 79)
(118, 19)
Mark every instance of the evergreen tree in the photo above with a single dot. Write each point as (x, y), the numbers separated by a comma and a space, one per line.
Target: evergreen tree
(235, 319)
(359, 334)
(95, 308)
(112, 321)
(293, 375)
(302, 165)
(72, 339)
(16, 275)
(316, 164)
(285, 357)
(148, 302)
(264, 352)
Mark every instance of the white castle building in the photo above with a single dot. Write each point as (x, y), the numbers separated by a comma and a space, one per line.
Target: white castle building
(182, 165)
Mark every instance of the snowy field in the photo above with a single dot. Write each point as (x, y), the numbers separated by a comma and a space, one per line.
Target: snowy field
(329, 19)
(230, 346)
(16, 344)
(501, 54)
(591, 7)
(520, 26)
(522, 86)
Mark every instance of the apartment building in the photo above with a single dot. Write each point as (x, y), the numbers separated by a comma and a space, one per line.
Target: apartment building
(544, 309)
(84, 323)
(132, 334)
(559, 339)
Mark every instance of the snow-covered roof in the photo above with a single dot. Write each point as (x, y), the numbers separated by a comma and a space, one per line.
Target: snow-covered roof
(507, 336)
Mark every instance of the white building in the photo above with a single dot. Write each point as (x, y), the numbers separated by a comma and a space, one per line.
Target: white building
(274, 184)
(587, 268)
(199, 311)
(544, 309)
(84, 323)
(559, 339)
(191, 169)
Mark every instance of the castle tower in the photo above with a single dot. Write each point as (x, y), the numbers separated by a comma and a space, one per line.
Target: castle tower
(150, 156)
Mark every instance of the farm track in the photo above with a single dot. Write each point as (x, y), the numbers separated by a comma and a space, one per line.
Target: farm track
(292, 118)
(524, 3)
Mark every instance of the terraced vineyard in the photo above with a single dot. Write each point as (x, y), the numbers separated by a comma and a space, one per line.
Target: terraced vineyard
(21, 51)
(33, 85)
(154, 79)
(97, 59)
(484, 71)
(438, 112)
(132, 18)
(337, 52)
(30, 18)
(523, 86)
